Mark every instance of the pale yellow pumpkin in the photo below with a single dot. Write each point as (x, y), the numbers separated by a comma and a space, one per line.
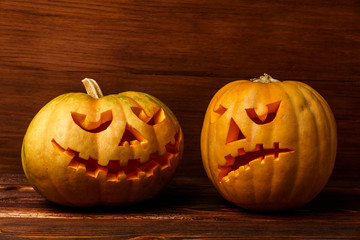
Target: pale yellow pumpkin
(86, 150)
(268, 145)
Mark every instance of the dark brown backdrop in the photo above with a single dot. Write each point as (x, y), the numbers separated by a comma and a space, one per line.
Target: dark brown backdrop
(182, 52)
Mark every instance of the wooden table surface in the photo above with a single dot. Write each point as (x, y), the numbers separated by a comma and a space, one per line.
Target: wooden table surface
(182, 52)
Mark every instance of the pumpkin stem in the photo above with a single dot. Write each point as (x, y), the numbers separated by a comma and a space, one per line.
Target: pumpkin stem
(264, 79)
(92, 88)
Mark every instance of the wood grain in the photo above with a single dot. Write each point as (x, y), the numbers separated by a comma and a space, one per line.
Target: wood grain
(307, 40)
(181, 52)
(188, 207)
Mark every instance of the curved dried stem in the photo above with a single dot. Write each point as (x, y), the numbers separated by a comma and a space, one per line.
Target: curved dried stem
(92, 88)
(265, 79)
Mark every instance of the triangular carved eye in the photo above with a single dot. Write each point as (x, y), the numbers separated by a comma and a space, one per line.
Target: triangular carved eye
(157, 118)
(234, 133)
(268, 117)
(220, 110)
(131, 137)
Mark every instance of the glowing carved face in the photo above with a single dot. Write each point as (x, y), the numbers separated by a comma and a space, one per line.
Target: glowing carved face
(243, 158)
(131, 140)
(245, 131)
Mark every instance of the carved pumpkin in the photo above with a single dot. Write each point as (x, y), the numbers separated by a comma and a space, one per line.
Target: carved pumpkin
(268, 145)
(86, 150)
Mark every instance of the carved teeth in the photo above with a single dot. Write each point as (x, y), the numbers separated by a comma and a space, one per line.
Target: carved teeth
(125, 144)
(112, 177)
(226, 178)
(141, 174)
(92, 174)
(133, 169)
(245, 159)
(101, 173)
(236, 173)
(154, 171)
(121, 176)
(69, 153)
(81, 166)
(73, 164)
(134, 142)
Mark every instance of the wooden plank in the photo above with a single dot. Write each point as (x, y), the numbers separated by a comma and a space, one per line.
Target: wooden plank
(184, 196)
(186, 208)
(175, 229)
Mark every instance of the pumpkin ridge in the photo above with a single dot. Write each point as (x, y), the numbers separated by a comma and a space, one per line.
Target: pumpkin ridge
(296, 129)
(56, 103)
(316, 125)
(327, 110)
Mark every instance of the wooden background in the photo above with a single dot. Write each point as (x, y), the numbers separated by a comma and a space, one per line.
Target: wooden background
(182, 52)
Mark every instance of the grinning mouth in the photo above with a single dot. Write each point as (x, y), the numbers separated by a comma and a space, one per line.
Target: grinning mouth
(114, 170)
(244, 158)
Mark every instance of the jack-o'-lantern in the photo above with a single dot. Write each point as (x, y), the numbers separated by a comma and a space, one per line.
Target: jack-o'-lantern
(268, 145)
(89, 149)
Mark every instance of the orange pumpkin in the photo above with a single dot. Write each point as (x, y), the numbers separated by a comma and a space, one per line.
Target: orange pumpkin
(86, 150)
(268, 145)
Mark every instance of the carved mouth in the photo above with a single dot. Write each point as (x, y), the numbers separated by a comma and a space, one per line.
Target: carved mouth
(244, 158)
(114, 171)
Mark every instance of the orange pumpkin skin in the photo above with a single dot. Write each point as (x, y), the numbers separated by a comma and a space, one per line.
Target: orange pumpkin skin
(268, 145)
(116, 150)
